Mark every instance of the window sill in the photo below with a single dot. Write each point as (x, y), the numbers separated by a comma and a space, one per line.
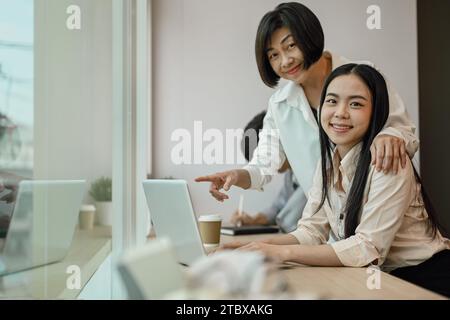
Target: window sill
(57, 281)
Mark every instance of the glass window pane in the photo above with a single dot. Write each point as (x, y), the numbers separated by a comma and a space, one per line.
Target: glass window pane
(55, 148)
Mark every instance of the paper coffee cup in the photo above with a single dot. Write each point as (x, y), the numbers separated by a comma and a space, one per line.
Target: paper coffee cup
(209, 226)
(87, 217)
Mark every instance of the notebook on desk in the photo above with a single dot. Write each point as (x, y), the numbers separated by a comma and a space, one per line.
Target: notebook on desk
(243, 230)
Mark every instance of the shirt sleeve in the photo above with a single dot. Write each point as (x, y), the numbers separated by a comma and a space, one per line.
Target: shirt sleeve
(313, 228)
(388, 198)
(399, 123)
(268, 156)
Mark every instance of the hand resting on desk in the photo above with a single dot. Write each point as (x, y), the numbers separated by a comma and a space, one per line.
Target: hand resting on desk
(270, 251)
(272, 247)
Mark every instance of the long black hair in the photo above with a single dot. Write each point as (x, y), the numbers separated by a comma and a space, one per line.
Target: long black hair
(380, 111)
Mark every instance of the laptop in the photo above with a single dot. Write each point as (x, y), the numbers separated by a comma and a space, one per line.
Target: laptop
(42, 224)
(173, 217)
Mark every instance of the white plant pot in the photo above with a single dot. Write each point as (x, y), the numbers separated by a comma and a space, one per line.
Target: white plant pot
(104, 213)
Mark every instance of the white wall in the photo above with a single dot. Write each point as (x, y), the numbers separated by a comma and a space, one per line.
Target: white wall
(204, 69)
(73, 91)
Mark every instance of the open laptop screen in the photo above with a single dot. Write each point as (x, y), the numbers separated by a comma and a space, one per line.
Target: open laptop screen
(173, 217)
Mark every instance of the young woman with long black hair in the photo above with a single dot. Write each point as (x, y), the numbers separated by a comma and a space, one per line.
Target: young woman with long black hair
(381, 219)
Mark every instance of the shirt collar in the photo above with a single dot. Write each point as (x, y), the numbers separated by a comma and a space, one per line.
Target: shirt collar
(346, 166)
(295, 97)
(290, 92)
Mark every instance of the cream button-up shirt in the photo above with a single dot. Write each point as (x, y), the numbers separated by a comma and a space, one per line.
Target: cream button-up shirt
(291, 131)
(393, 227)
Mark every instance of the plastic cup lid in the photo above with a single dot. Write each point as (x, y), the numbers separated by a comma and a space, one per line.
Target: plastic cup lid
(210, 217)
(87, 207)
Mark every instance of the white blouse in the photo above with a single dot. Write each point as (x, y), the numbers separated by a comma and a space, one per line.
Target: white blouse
(393, 228)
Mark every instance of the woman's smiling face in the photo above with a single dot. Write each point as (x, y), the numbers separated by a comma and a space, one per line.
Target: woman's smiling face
(285, 56)
(346, 112)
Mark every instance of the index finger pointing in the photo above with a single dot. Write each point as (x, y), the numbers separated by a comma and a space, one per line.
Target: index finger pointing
(204, 179)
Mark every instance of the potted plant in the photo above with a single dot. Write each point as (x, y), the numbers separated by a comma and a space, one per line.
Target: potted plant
(101, 192)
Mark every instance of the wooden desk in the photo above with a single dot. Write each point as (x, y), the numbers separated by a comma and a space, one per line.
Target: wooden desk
(88, 250)
(342, 282)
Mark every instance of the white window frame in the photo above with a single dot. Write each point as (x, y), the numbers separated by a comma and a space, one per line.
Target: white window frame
(131, 128)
